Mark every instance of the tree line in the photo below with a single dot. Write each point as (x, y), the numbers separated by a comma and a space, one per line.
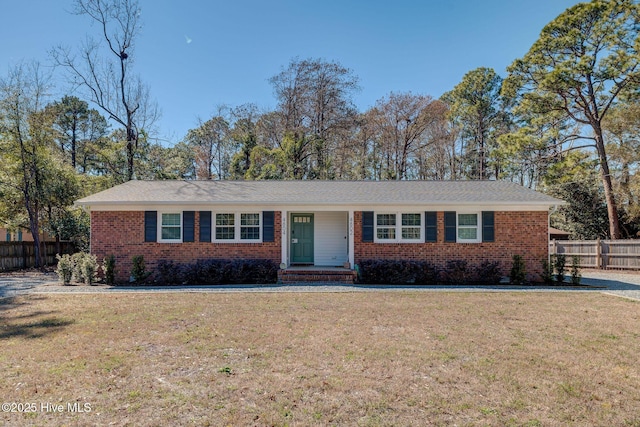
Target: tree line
(564, 120)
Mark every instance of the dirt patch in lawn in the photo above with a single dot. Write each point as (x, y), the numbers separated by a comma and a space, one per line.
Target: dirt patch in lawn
(414, 358)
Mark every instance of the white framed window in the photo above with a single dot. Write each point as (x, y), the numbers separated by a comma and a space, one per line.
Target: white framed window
(399, 227)
(170, 227)
(411, 226)
(468, 229)
(238, 227)
(249, 226)
(225, 226)
(386, 226)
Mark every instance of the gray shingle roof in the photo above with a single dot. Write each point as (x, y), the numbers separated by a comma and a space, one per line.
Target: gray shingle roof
(318, 193)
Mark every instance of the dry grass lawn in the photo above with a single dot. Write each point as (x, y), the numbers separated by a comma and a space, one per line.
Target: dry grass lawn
(366, 359)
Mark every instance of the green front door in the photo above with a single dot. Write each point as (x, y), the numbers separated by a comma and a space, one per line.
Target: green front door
(302, 238)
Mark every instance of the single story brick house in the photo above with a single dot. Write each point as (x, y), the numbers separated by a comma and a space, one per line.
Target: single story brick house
(320, 223)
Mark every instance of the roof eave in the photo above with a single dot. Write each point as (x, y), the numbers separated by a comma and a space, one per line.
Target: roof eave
(88, 203)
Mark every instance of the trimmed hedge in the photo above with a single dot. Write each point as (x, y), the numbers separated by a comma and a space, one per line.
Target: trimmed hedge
(216, 272)
(456, 272)
(379, 272)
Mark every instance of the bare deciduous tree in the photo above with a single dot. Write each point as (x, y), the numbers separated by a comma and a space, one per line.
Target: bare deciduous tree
(105, 71)
(316, 109)
(212, 148)
(400, 122)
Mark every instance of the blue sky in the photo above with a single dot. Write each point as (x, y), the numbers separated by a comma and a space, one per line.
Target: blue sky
(199, 54)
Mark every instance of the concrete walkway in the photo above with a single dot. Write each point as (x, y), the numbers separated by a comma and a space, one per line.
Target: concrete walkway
(622, 284)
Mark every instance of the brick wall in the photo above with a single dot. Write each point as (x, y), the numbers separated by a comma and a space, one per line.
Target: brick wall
(122, 234)
(516, 233)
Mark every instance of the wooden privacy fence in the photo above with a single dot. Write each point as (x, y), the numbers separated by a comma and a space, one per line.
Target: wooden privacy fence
(19, 255)
(622, 254)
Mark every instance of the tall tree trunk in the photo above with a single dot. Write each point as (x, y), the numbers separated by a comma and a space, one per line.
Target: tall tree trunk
(73, 143)
(131, 146)
(35, 231)
(612, 208)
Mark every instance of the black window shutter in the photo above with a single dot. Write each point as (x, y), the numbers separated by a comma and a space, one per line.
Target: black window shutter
(150, 226)
(268, 229)
(205, 226)
(431, 226)
(367, 226)
(488, 226)
(188, 226)
(450, 227)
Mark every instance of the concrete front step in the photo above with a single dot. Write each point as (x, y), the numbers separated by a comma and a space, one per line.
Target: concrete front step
(288, 276)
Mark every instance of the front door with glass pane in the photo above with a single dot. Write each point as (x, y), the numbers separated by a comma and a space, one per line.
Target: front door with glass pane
(301, 238)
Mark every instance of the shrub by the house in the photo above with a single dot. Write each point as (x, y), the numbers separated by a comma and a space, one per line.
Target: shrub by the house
(109, 269)
(375, 271)
(547, 272)
(488, 273)
(576, 277)
(139, 271)
(64, 270)
(559, 262)
(80, 267)
(518, 273)
(217, 271)
(77, 260)
(457, 272)
(89, 268)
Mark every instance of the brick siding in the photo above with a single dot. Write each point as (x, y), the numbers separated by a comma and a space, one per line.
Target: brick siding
(516, 233)
(121, 233)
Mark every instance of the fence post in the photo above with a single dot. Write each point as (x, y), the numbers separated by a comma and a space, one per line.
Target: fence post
(599, 259)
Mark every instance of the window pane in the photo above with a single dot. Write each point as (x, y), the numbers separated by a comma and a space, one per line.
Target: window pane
(171, 233)
(468, 233)
(410, 233)
(411, 219)
(170, 219)
(225, 219)
(250, 219)
(225, 233)
(467, 219)
(171, 226)
(249, 233)
(386, 233)
(386, 219)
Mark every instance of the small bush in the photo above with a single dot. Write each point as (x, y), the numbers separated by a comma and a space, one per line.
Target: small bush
(389, 272)
(206, 272)
(575, 270)
(266, 271)
(64, 268)
(78, 261)
(169, 272)
(217, 271)
(89, 269)
(139, 271)
(488, 273)
(427, 274)
(559, 263)
(109, 268)
(547, 272)
(458, 272)
(518, 274)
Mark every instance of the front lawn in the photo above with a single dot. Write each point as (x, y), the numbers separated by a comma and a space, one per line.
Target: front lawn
(362, 358)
